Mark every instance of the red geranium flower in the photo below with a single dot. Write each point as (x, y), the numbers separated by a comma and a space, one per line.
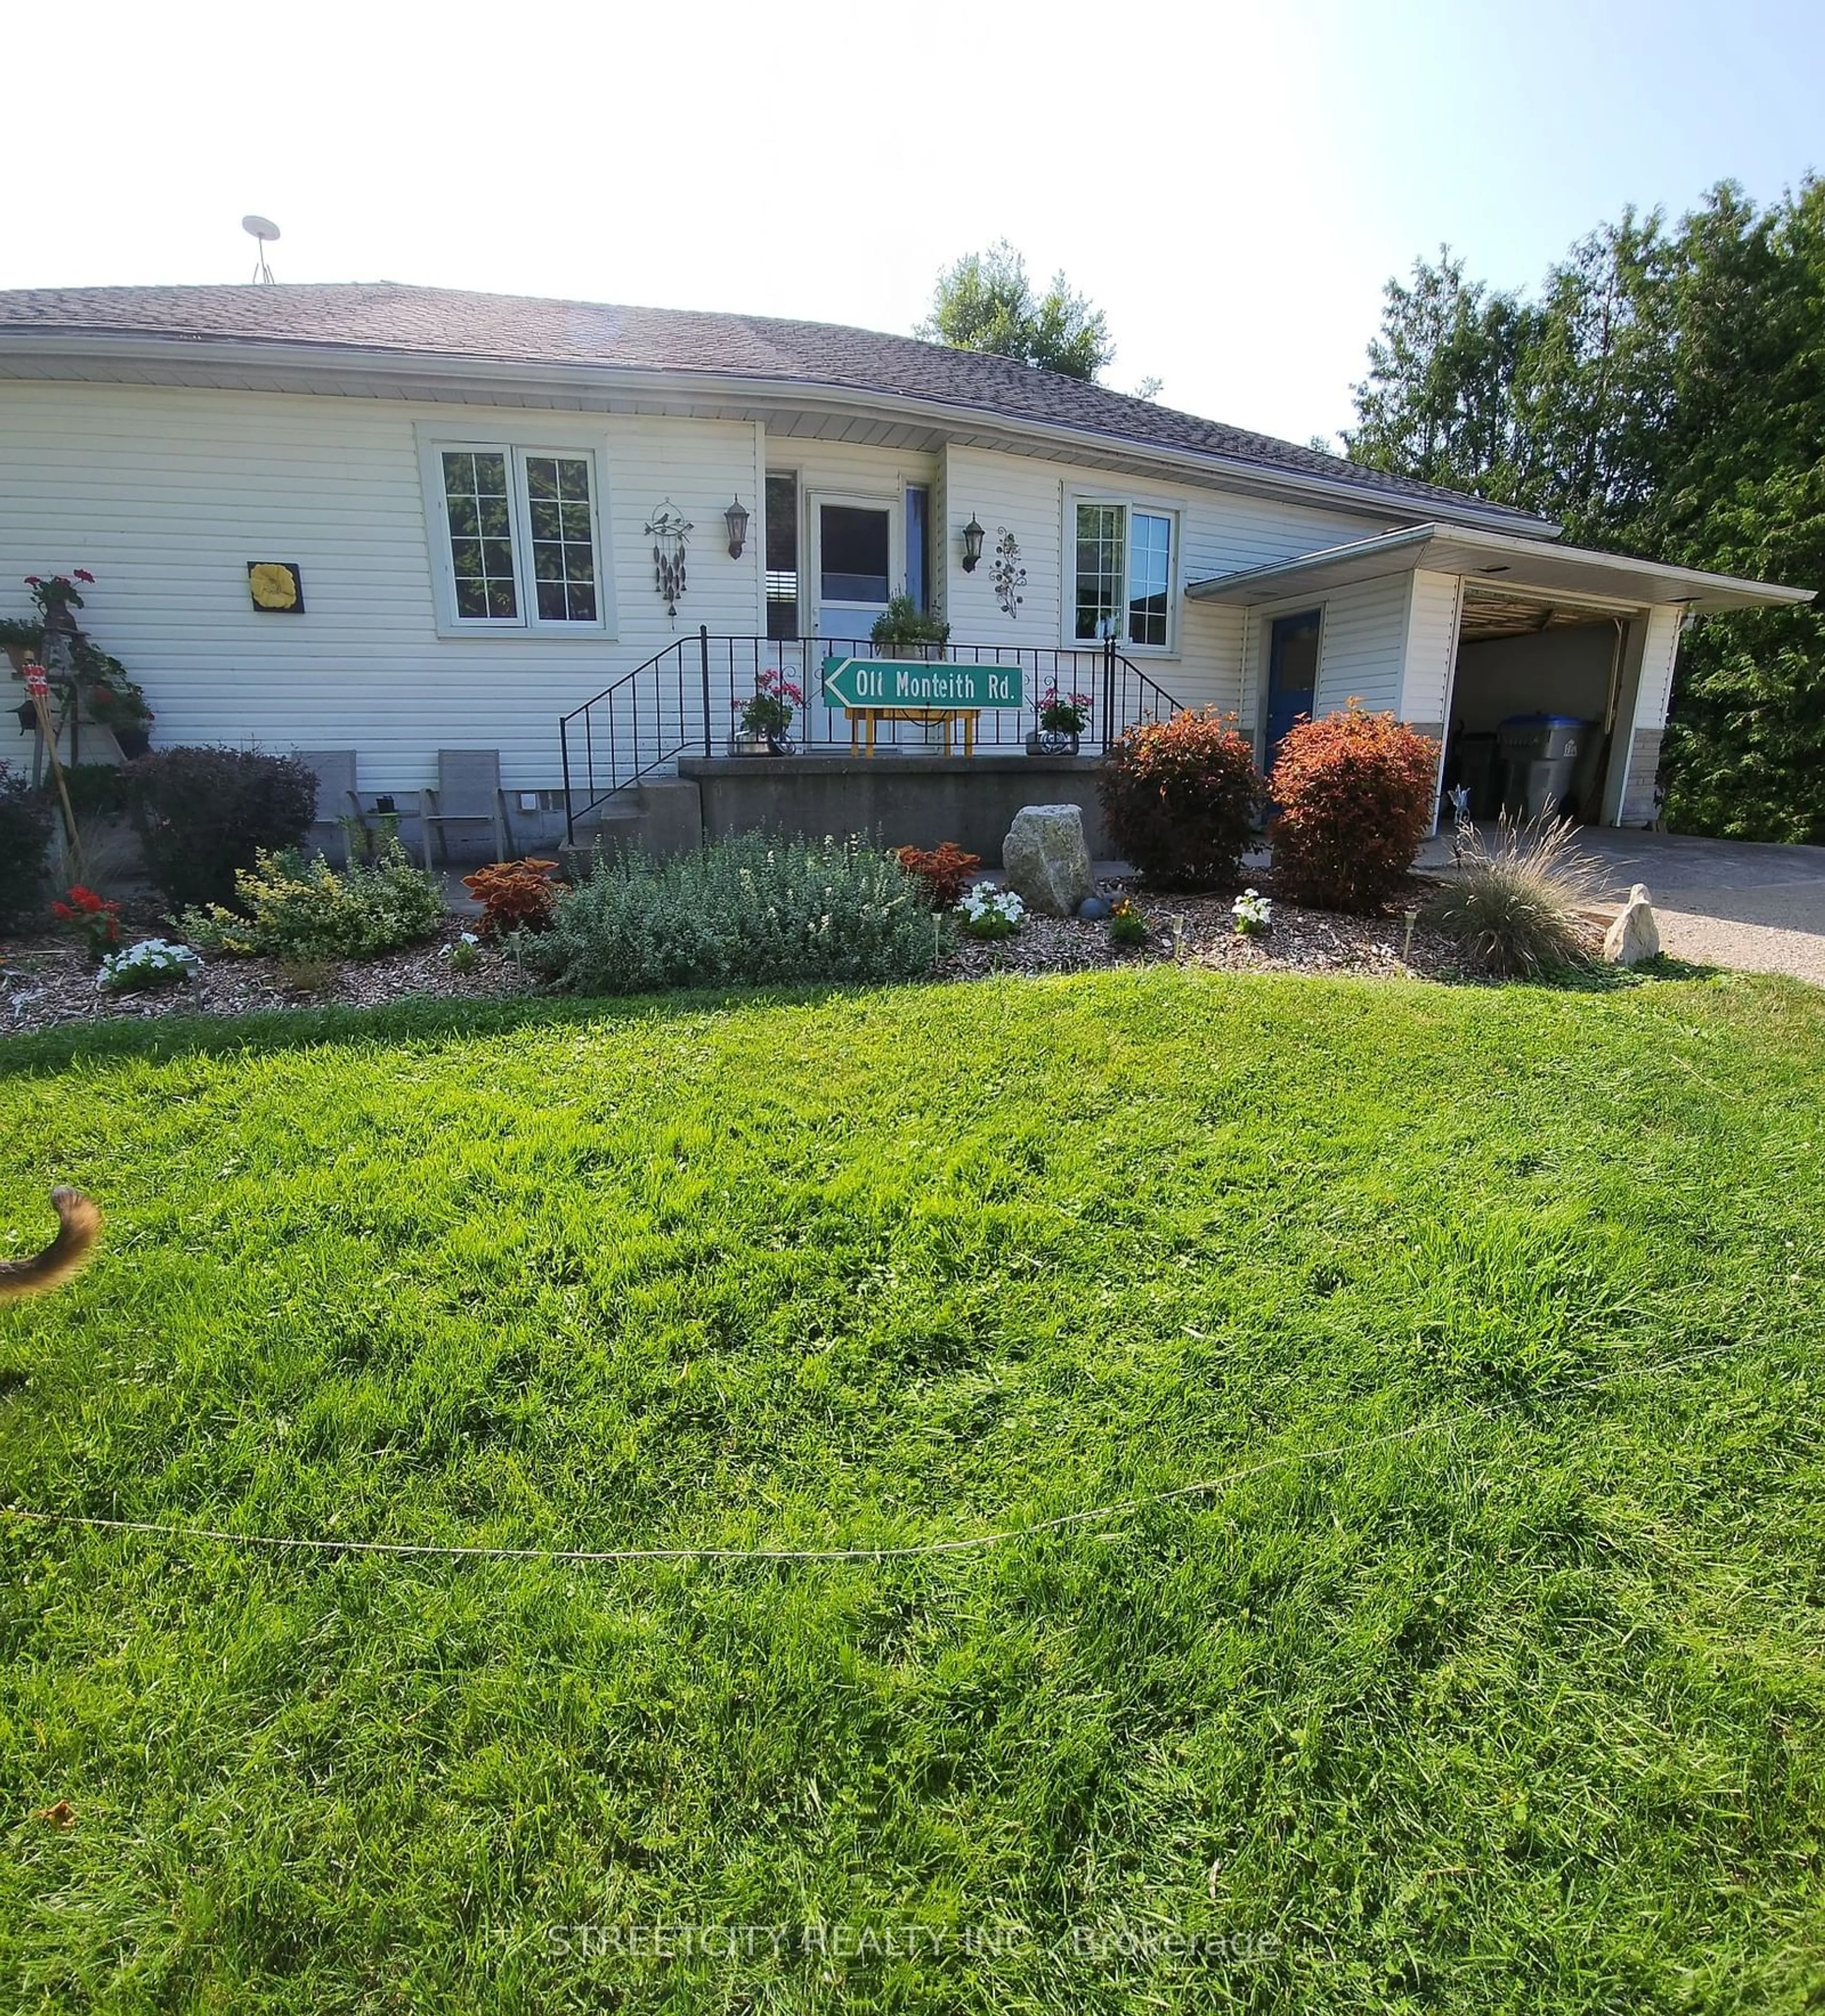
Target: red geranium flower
(85, 900)
(83, 573)
(98, 918)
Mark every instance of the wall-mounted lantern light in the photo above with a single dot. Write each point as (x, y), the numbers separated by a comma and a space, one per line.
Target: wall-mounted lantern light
(737, 518)
(972, 544)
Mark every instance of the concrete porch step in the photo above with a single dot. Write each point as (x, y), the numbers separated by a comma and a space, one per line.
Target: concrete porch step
(662, 817)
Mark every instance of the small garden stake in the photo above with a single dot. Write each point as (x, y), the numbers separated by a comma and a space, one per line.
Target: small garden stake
(37, 686)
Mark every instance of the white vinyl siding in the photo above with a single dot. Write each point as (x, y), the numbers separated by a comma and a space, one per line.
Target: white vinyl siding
(1005, 493)
(165, 494)
(1218, 531)
(1364, 637)
(1432, 638)
(1660, 652)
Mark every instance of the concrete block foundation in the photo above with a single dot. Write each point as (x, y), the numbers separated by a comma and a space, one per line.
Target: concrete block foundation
(915, 800)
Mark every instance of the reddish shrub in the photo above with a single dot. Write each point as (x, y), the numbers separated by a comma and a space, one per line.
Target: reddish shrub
(204, 814)
(1181, 797)
(945, 871)
(514, 896)
(1354, 794)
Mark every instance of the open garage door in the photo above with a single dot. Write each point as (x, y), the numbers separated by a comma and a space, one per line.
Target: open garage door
(1554, 662)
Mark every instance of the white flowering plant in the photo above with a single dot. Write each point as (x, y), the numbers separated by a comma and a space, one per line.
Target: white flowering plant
(153, 963)
(1253, 913)
(989, 913)
(464, 953)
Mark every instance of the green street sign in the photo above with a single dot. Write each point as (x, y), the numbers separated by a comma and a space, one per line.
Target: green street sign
(915, 683)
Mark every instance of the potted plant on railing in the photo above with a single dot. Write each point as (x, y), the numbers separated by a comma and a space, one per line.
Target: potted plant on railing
(86, 682)
(902, 623)
(116, 702)
(21, 638)
(1063, 718)
(766, 722)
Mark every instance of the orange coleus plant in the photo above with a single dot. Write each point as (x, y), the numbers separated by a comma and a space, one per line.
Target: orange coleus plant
(945, 871)
(1354, 793)
(514, 896)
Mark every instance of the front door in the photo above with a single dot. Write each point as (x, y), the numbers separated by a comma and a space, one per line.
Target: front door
(1292, 662)
(853, 576)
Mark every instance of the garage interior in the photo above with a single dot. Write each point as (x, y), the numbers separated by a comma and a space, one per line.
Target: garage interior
(1524, 654)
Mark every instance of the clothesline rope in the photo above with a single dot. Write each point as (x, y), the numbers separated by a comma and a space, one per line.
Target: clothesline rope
(584, 1557)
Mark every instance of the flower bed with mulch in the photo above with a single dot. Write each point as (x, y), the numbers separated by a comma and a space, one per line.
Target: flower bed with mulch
(1201, 931)
(47, 982)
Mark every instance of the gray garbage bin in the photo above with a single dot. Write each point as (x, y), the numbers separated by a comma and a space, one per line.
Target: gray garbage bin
(1537, 756)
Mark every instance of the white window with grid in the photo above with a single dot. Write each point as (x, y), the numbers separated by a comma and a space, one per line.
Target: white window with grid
(1121, 558)
(516, 537)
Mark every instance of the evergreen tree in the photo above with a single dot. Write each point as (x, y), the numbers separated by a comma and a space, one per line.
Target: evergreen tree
(1746, 749)
(1440, 401)
(1664, 397)
(1593, 389)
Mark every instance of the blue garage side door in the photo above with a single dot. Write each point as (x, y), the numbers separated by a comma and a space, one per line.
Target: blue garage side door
(1292, 660)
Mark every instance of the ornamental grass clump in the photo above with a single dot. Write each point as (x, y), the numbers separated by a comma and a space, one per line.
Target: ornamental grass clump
(752, 910)
(1354, 797)
(1181, 798)
(298, 911)
(1512, 911)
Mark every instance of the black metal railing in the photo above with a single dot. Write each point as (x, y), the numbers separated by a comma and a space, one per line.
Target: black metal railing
(688, 700)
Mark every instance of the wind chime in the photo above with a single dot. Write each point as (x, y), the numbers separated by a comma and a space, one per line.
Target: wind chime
(668, 529)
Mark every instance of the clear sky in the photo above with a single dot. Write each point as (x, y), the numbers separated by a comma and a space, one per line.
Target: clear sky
(1231, 184)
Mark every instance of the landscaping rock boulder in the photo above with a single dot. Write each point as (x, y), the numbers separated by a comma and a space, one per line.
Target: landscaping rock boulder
(1634, 936)
(1044, 859)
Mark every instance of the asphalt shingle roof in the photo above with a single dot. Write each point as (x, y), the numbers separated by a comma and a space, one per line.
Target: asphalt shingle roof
(518, 328)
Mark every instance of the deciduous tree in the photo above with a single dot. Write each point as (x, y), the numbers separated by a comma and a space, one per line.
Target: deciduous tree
(986, 302)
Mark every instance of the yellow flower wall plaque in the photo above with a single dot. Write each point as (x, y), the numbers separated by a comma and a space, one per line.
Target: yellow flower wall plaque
(276, 586)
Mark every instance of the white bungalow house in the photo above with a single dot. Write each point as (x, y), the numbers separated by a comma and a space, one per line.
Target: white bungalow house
(396, 520)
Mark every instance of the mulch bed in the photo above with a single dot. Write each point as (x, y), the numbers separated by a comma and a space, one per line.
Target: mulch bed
(45, 982)
(1200, 931)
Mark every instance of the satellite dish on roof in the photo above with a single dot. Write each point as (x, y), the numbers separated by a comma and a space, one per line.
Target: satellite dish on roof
(266, 230)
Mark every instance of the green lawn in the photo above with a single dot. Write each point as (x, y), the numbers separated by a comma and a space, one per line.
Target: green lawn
(1523, 1712)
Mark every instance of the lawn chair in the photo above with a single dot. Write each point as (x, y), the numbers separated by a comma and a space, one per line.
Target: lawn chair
(336, 798)
(468, 793)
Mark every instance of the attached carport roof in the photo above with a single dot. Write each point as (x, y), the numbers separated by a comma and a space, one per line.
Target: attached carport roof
(1500, 558)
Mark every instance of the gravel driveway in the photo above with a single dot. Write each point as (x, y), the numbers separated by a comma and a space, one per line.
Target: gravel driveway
(1719, 902)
